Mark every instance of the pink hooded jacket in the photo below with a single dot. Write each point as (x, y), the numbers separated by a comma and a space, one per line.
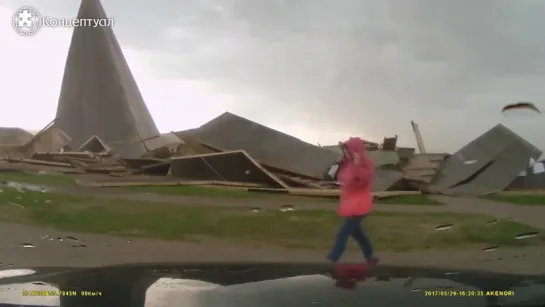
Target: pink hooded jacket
(355, 176)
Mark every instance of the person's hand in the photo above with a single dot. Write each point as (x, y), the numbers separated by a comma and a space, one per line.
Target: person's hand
(357, 158)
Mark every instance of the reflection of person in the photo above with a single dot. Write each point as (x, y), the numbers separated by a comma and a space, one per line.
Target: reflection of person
(355, 175)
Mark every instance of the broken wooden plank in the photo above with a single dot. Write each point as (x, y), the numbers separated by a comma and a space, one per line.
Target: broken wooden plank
(298, 182)
(38, 162)
(329, 193)
(209, 183)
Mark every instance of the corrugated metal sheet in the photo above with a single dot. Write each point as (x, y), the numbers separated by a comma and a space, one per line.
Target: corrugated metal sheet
(384, 179)
(476, 155)
(165, 139)
(379, 157)
(499, 175)
(266, 145)
(99, 95)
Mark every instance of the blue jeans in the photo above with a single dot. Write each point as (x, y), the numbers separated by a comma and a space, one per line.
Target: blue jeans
(351, 226)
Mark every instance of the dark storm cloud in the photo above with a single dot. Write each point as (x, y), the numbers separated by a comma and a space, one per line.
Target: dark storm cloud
(361, 66)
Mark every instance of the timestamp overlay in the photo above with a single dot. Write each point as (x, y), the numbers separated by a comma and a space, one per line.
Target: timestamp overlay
(468, 293)
(60, 293)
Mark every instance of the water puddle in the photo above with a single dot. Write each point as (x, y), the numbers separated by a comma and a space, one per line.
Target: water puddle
(72, 239)
(256, 209)
(526, 235)
(444, 227)
(287, 208)
(409, 282)
(452, 273)
(27, 245)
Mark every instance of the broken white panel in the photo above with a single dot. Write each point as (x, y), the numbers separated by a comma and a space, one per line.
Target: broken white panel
(538, 168)
(333, 170)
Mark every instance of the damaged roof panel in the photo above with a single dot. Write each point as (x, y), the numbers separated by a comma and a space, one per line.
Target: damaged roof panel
(476, 155)
(500, 173)
(268, 146)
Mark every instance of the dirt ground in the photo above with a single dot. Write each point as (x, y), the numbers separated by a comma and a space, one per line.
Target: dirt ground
(97, 250)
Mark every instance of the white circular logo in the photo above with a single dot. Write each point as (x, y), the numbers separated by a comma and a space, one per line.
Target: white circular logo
(27, 21)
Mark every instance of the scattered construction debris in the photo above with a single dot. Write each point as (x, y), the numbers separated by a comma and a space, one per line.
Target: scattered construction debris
(496, 161)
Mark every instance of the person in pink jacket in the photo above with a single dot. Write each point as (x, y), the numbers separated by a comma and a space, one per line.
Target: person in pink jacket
(355, 176)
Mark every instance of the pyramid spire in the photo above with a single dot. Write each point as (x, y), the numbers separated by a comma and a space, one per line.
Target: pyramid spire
(99, 95)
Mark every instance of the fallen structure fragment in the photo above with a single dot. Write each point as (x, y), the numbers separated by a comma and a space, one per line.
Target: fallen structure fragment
(532, 178)
(95, 145)
(236, 166)
(486, 165)
(422, 169)
(271, 148)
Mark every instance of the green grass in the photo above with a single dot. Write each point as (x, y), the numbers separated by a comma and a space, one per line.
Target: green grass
(302, 229)
(194, 191)
(48, 179)
(537, 200)
(51, 179)
(408, 200)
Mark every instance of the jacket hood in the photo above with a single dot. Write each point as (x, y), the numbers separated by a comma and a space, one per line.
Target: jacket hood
(355, 145)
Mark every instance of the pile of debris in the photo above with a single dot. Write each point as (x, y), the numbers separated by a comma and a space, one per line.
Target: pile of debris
(231, 151)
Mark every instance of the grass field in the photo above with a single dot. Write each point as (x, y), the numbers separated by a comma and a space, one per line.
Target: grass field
(301, 229)
(408, 200)
(196, 191)
(52, 179)
(537, 200)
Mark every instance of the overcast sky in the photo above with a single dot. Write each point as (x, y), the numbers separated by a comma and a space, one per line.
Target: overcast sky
(320, 70)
